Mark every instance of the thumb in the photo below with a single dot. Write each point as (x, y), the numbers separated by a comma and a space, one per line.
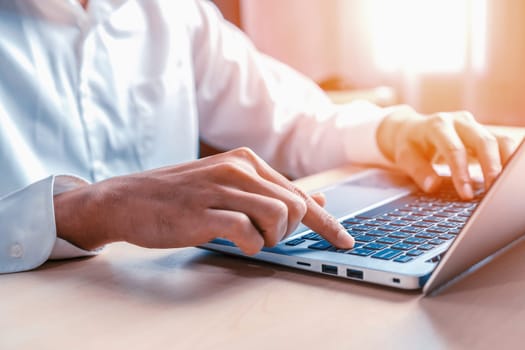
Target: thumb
(420, 169)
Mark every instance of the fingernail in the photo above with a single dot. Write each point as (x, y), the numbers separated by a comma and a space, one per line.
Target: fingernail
(428, 183)
(345, 240)
(467, 191)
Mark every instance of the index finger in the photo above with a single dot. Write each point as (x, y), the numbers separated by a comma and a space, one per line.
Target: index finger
(449, 145)
(486, 148)
(320, 221)
(316, 218)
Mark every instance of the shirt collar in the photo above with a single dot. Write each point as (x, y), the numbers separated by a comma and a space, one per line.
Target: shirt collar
(101, 9)
(96, 12)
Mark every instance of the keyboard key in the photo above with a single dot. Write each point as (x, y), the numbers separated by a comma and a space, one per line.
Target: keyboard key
(447, 224)
(453, 210)
(411, 218)
(355, 232)
(422, 224)
(295, 242)
(463, 205)
(388, 228)
(377, 233)
(400, 223)
(351, 221)
(458, 219)
(411, 229)
(415, 240)
(387, 254)
(375, 246)
(373, 223)
(313, 236)
(427, 235)
(361, 228)
(453, 231)
(321, 245)
(446, 237)
(365, 238)
(403, 246)
(406, 209)
(444, 214)
(415, 252)
(398, 234)
(436, 229)
(426, 247)
(436, 241)
(361, 251)
(386, 217)
(388, 240)
(433, 219)
(403, 259)
(420, 214)
(337, 250)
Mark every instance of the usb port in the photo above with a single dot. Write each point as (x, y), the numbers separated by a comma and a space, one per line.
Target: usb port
(329, 269)
(354, 274)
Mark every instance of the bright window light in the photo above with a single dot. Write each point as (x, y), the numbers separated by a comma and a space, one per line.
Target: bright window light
(432, 36)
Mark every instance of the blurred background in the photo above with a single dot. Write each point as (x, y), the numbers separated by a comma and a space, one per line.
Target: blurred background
(435, 55)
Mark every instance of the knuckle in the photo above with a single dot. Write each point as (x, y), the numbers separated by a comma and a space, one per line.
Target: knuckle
(436, 123)
(299, 208)
(300, 193)
(241, 225)
(276, 227)
(403, 154)
(279, 209)
(245, 153)
(229, 166)
(455, 150)
(232, 169)
(438, 119)
(505, 139)
(489, 140)
(466, 116)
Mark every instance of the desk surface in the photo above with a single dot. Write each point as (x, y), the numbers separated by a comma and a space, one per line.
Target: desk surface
(134, 298)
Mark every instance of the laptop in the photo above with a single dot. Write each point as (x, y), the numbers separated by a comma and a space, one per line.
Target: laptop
(404, 238)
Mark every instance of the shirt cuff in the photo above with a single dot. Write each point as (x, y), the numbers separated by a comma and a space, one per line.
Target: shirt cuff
(27, 227)
(63, 249)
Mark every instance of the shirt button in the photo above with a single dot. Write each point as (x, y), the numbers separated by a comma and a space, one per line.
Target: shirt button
(16, 250)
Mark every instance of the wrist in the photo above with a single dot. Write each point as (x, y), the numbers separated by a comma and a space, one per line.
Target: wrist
(78, 219)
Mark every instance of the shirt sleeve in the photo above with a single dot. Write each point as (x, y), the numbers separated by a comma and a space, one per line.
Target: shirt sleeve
(246, 98)
(27, 226)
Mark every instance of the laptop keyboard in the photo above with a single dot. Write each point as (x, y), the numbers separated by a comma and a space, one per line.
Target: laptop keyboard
(406, 229)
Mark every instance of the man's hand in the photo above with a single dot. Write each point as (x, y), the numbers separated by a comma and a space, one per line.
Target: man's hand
(413, 141)
(234, 195)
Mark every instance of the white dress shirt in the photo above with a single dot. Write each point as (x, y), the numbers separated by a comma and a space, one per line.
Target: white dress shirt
(129, 85)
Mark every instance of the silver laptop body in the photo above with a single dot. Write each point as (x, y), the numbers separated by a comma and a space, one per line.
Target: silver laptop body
(497, 220)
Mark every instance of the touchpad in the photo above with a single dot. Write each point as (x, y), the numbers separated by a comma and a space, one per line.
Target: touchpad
(364, 192)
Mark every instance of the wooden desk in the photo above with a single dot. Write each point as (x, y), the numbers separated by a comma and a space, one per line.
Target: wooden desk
(133, 298)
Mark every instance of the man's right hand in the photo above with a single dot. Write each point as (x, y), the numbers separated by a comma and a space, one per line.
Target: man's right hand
(233, 195)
